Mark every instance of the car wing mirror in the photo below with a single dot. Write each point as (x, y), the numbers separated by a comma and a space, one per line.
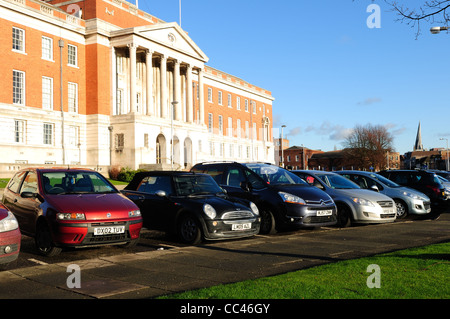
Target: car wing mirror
(374, 188)
(161, 193)
(32, 195)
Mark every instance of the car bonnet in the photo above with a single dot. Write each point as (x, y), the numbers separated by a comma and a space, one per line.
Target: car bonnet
(94, 206)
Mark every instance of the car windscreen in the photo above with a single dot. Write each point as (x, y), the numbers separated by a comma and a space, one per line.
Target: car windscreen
(195, 185)
(75, 183)
(384, 180)
(337, 181)
(275, 175)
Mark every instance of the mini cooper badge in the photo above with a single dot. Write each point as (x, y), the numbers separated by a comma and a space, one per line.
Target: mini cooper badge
(108, 215)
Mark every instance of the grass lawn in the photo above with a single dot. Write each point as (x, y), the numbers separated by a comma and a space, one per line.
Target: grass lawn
(417, 273)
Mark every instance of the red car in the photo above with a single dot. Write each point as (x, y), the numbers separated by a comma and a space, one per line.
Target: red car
(10, 236)
(71, 208)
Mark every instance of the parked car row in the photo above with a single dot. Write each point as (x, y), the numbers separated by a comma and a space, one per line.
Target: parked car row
(64, 207)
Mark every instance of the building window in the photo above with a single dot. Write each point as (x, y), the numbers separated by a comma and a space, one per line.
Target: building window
(119, 140)
(238, 103)
(47, 48)
(146, 140)
(48, 133)
(47, 93)
(246, 105)
(210, 95)
(254, 135)
(229, 101)
(119, 101)
(73, 97)
(231, 150)
(18, 40)
(18, 87)
(19, 131)
(220, 97)
(254, 107)
(138, 102)
(119, 64)
(247, 129)
(210, 123)
(72, 55)
(238, 128)
(220, 125)
(74, 136)
(230, 127)
(211, 148)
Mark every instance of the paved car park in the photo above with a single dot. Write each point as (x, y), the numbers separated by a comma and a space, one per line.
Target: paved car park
(157, 268)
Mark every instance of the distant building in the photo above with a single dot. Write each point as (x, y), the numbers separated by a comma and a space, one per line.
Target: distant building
(297, 157)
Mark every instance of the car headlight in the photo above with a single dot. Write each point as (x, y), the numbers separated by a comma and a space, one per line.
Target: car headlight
(134, 213)
(70, 216)
(362, 201)
(254, 208)
(9, 223)
(414, 196)
(289, 198)
(209, 211)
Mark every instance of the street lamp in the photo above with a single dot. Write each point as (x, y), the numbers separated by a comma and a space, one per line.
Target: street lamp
(446, 164)
(436, 30)
(281, 144)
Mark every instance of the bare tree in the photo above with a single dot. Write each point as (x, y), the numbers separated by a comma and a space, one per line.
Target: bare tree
(367, 146)
(431, 11)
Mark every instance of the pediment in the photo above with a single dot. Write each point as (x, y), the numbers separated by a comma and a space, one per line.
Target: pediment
(173, 36)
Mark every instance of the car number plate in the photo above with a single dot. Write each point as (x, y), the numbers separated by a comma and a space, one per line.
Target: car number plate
(241, 226)
(109, 230)
(327, 212)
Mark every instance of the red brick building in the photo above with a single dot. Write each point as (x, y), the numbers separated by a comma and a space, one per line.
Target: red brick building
(101, 82)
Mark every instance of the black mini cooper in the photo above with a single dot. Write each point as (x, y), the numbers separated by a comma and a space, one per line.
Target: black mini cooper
(191, 205)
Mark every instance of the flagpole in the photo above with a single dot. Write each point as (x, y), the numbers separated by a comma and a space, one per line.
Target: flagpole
(180, 11)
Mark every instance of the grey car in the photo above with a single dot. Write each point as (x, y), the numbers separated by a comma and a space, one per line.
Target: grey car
(354, 205)
(407, 200)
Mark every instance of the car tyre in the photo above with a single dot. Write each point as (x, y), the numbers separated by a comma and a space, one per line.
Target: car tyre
(189, 230)
(343, 216)
(402, 209)
(267, 225)
(44, 241)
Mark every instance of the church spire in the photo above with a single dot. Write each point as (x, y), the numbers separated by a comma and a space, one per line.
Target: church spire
(418, 146)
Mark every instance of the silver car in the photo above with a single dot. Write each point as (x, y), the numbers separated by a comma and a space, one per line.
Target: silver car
(355, 205)
(407, 200)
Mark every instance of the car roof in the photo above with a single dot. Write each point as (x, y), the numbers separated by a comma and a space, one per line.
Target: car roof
(58, 169)
(311, 171)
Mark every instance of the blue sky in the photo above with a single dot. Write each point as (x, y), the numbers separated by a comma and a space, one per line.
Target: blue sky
(327, 70)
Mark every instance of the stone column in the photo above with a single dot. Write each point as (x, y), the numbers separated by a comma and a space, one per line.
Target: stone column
(163, 86)
(132, 70)
(201, 96)
(177, 90)
(190, 110)
(149, 76)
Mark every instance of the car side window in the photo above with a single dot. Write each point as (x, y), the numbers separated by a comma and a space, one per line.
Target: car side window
(29, 183)
(254, 180)
(234, 177)
(401, 179)
(14, 183)
(215, 171)
(152, 184)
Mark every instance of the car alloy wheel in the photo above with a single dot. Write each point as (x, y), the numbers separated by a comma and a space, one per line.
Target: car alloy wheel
(189, 231)
(267, 225)
(402, 210)
(343, 217)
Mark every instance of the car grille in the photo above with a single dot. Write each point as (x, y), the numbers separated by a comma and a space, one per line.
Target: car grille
(386, 203)
(427, 205)
(239, 214)
(319, 219)
(320, 202)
